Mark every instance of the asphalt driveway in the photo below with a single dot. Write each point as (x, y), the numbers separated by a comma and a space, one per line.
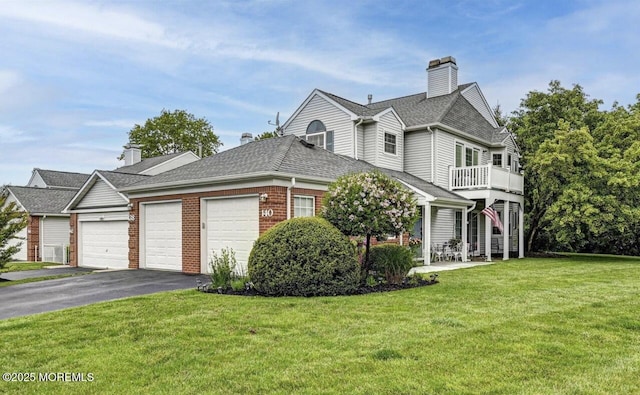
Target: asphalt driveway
(38, 297)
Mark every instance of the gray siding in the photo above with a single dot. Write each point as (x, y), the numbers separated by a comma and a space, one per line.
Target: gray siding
(438, 82)
(474, 97)
(445, 156)
(170, 165)
(333, 118)
(390, 124)
(369, 141)
(101, 195)
(417, 154)
(37, 181)
(442, 225)
(360, 142)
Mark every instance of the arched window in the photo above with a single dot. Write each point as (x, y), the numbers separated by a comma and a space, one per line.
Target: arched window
(318, 135)
(316, 127)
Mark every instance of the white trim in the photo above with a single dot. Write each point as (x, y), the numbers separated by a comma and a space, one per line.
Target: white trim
(324, 138)
(384, 143)
(91, 181)
(392, 111)
(317, 92)
(313, 204)
(196, 157)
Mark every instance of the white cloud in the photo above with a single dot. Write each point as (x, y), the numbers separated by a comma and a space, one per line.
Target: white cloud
(112, 123)
(92, 19)
(10, 135)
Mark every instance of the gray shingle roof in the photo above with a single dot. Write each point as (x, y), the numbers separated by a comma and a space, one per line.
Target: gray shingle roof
(286, 155)
(121, 180)
(62, 179)
(452, 110)
(42, 200)
(146, 164)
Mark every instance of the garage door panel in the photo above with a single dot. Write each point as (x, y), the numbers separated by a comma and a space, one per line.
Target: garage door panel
(232, 223)
(163, 236)
(105, 244)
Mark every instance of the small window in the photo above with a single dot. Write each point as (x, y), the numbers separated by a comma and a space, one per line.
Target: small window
(459, 150)
(458, 225)
(390, 143)
(509, 161)
(316, 127)
(304, 206)
(497, 160)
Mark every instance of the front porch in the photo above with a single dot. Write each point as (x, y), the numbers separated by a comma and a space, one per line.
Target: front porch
(485, 177)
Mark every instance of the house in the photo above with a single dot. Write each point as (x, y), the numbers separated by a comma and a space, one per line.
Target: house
(99, 223)
(46, 237)
(179, 218)
(447, 136)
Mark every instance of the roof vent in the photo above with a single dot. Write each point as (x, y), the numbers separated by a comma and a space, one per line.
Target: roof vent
(307, 144)
(246, 138)
(369, 98)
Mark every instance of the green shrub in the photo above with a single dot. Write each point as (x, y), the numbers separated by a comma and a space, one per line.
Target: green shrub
(304, 257)
(391, 260)
(223, 268)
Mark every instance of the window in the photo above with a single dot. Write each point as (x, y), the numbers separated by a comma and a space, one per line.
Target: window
(509, 161)
(497, 160)
(390, 143)
(318, 135)
(467, 156)
(304, 206)
(316, 139)
(458, 225)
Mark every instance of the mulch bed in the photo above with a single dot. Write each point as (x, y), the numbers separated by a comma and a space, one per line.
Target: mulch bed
(363, 289)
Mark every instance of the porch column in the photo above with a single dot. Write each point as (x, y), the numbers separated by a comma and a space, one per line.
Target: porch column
(465, 224)
(426, 234)
(520, 230)
(506, 243)
(487, 232)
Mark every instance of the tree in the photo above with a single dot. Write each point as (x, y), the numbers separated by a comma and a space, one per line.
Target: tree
(533, 123)
(12, 221)
(369, 205)
(266, 135)
(175, 131)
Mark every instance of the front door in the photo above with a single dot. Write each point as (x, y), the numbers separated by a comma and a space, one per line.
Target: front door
(473, 236)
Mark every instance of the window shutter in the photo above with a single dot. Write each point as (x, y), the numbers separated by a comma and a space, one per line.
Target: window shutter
(329, 141)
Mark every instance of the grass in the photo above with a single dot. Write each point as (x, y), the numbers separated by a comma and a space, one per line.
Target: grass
(20, 266)
(532, 326)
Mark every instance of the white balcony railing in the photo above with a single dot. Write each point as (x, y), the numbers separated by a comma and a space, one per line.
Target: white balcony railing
(485, 177)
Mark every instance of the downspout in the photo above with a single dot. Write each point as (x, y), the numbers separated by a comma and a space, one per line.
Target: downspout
(355, 138)
(289, 188)
(433, 155)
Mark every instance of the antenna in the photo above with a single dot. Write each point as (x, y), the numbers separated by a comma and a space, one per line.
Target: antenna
(277, 124)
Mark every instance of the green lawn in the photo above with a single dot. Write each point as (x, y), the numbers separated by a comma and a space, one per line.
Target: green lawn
(20, 266)
(533, 326)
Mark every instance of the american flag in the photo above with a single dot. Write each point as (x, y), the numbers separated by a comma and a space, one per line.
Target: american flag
(495, 218)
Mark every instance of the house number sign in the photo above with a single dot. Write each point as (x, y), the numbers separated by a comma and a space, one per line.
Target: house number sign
(267, 213)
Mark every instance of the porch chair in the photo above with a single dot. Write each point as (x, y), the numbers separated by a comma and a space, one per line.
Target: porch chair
(436, 252)
(457, 251)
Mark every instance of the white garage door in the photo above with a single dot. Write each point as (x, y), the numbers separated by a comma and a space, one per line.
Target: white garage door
(163, 236)
(232, 223)
(22, 254)
(104, 244)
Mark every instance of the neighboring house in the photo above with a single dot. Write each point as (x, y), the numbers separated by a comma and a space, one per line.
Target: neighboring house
(180, 217)
(46, 237)
(100, 214)
(447, 136)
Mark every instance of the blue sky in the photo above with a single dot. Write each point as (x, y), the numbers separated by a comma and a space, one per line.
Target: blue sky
(76, 76)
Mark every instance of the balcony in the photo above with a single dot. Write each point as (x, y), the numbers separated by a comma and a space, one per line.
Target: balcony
(485, 177)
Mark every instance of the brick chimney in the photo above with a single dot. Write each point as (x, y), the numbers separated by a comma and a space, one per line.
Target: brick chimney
(442, 75)
(132, 154)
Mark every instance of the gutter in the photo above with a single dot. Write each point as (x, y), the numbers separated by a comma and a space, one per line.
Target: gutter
(289, 188)
(456, 131)
(355, 137)
(433, 154)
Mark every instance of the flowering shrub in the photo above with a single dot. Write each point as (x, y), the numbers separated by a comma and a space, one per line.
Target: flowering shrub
(369, 204)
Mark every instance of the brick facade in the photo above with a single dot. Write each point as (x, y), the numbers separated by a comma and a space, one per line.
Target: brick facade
(270, 212)
(33, 239)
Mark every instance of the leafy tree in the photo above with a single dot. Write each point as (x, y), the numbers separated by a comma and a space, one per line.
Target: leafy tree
(266, 135)
(175, 131)
(12, 221)
(501, 118)
(533, 123)
(370, 205)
